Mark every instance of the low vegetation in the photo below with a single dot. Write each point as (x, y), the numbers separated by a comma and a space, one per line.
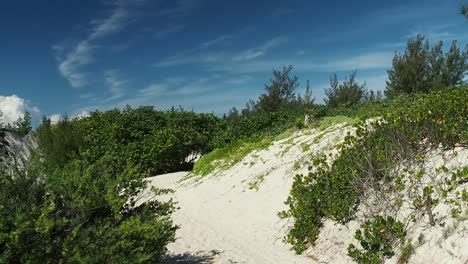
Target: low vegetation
(369, 160)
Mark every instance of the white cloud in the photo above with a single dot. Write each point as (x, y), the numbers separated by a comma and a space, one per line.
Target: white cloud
(14, 107)
(54, 118)
(69, 68)
(82, 114)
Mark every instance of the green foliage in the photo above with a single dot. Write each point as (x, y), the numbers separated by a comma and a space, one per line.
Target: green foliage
(83, 213)
(367, 160)
(22, 126)
(157, 141)
(422, 69)
(224, 158)
(346, 94)
(253, 126)
(59, 143)
(377, 238)
(407, 250)
(327, 122)
(299, 123)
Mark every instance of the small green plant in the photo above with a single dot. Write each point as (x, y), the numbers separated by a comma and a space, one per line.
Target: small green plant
(225, 158)
(406, 251)
(327, 122)
(377, 238)
(305, 147)
(297, 165)
(299, 123)
(255, 185)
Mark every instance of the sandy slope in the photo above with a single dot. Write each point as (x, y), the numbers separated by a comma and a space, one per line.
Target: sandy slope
(225, 216)
(231, 216)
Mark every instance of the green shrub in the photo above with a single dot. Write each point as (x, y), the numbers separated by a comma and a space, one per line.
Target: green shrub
(377, 239)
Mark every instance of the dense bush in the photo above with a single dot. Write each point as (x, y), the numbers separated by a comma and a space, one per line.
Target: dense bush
(157, 141)
(83, 213)
(253, 126)
(367, 160)
(377, 238)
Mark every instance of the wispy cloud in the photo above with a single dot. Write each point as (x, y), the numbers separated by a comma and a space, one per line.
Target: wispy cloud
(197, 58)
(243, 79)
(115, 83)
(179, 86)
(169, 30)
(372, 60)
(440, 32)
(216, 41)
(406, 12)
(374, 82)
(152, 90)
(181, 8)
(364, 61)
(282, 11)
(71, 64)
(261, 50)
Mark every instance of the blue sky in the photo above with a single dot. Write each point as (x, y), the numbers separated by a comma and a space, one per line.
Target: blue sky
(73, 57)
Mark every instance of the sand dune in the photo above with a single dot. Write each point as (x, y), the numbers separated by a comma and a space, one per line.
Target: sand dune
(231, 216)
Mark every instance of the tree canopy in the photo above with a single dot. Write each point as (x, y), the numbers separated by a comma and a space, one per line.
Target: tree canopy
(422, 68)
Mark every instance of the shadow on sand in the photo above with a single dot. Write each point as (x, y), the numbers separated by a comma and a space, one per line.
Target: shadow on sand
(201, 257)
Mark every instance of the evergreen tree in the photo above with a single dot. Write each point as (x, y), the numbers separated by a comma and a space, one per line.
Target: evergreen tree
(456, 65)
(464, 11)
(423, 69)
(22, 126)
(280, 91)
(347, 93)
(308, 99)
(410, 72)
(233, 115)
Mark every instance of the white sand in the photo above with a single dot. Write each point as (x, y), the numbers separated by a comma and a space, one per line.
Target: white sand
(231, 217)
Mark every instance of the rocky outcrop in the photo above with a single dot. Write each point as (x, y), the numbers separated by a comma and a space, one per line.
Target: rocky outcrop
(14, 149)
